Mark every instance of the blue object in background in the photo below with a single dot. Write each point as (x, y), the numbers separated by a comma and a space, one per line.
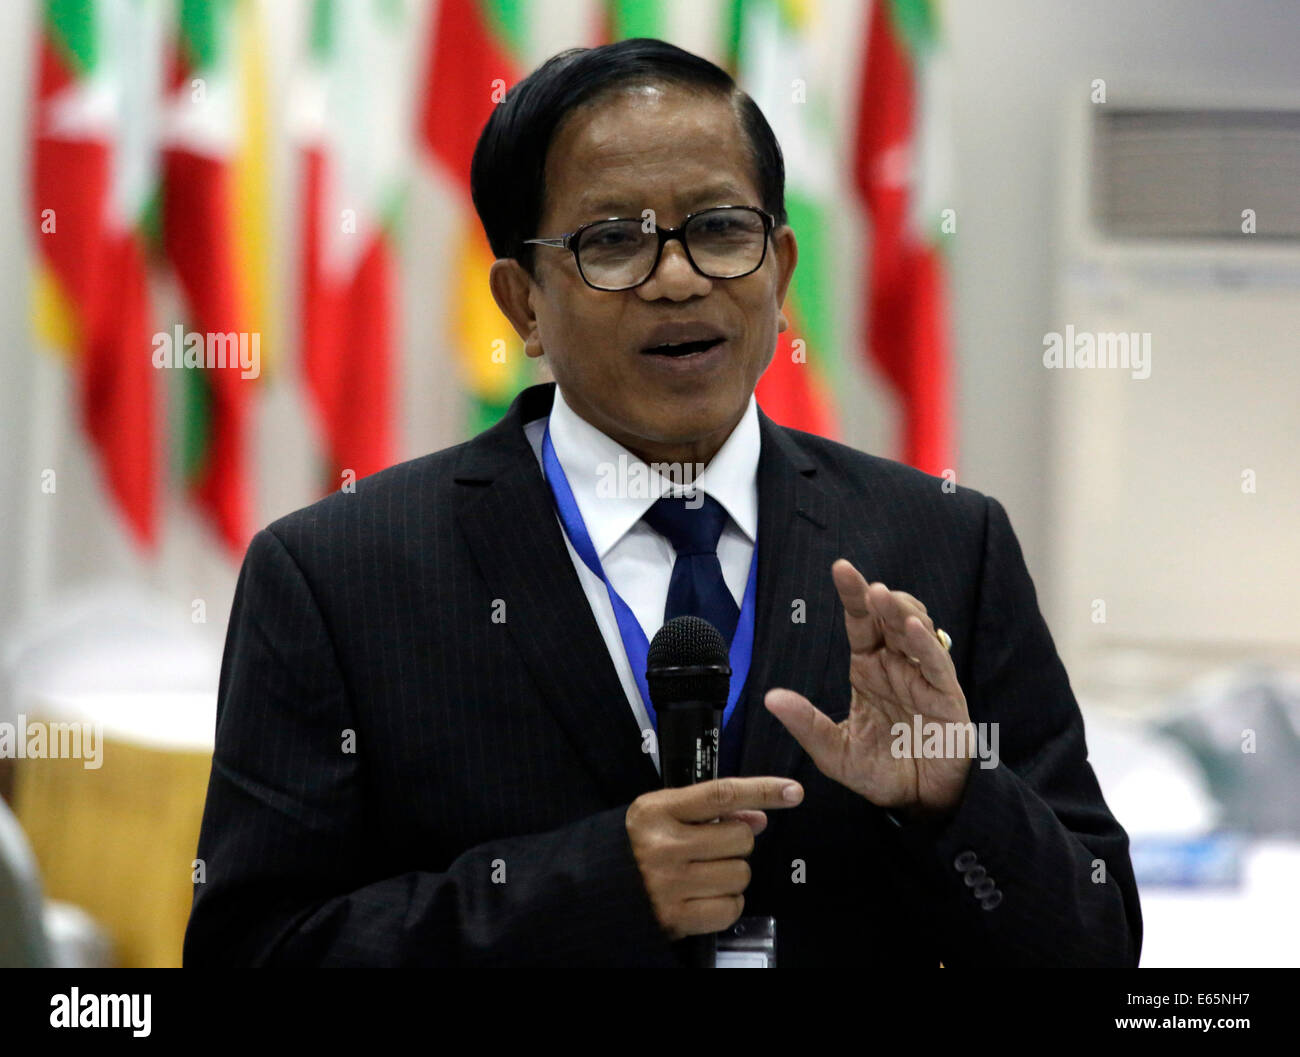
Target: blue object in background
(1212, 861)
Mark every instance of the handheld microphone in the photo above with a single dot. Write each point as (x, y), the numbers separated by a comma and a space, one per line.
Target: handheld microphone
(688, 671)
(689, 675)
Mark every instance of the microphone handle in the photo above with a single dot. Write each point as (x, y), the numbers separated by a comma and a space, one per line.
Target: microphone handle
(689, 736)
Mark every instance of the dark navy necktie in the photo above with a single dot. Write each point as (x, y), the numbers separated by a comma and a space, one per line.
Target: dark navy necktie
(697, 587)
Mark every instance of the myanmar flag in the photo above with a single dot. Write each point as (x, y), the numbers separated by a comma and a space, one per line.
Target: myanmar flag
(474, 56)
(766, 45)
(215, 224)
(94, 181)
(907, 324)
(355, 142)
(770, 43)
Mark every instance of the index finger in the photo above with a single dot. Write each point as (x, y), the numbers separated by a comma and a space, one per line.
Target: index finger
(705, 801)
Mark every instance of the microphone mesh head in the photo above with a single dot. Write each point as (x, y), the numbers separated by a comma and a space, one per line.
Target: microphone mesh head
(688, 642)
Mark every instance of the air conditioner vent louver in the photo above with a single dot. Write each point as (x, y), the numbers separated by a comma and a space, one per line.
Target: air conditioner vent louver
(1170, 174)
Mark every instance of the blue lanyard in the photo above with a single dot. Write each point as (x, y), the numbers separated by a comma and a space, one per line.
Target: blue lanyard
(634, 638)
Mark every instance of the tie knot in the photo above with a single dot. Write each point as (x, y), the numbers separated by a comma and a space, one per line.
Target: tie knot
(690, 526)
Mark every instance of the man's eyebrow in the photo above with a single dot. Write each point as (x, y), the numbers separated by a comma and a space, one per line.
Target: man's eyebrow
(718, 194)
(608, 207)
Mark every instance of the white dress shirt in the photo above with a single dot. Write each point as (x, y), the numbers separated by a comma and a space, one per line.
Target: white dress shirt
(636, 558)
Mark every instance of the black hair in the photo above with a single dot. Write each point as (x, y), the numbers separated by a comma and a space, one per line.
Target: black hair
(507, 175)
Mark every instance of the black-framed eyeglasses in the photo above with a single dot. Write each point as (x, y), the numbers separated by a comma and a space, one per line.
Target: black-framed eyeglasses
(723, 242)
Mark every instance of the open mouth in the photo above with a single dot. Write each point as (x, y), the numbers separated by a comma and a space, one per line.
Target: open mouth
(682, 348)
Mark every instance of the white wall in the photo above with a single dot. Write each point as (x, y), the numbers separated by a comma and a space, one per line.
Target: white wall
(1017, 64)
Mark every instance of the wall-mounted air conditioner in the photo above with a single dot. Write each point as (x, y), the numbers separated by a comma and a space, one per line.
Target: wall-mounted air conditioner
(1174, 363)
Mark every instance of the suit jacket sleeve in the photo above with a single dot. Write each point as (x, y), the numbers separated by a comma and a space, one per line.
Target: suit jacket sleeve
(288, 874)
(1036, 825)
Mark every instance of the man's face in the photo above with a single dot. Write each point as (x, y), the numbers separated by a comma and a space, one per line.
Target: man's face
(675, 152)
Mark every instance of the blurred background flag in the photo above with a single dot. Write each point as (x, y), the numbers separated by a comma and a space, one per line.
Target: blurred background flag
(771, 55)
(356, 151)
(475, 54)
(622, 19)
(93, 195)
(215, 234)
(897, 173)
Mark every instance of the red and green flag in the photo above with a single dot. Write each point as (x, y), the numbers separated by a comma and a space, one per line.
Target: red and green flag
(93, 192)
(355, 143)
(896, 171)
(475, 54)
(215, 224)
(766, 45)
(771, 54)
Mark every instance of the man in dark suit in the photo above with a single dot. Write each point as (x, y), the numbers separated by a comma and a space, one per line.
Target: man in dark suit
(432, 747)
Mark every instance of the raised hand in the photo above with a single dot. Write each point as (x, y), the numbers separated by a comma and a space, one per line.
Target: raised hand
(898, 669)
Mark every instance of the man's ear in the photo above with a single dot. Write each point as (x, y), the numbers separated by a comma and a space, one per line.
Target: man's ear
(512, 288)
(786, 251)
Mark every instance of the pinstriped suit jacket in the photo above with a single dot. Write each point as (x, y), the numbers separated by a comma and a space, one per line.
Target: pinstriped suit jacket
(398, 779)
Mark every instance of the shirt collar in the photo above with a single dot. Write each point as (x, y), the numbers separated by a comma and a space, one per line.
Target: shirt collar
(607, 480)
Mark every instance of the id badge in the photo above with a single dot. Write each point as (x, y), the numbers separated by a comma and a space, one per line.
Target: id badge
(749, 944)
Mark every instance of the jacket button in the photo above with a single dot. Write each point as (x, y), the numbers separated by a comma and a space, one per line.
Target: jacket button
(965, 861)
(985, 889)
(975, 875)
(992, 901)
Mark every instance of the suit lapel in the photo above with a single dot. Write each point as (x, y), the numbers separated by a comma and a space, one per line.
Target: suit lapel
(798, 539)
(507, 514)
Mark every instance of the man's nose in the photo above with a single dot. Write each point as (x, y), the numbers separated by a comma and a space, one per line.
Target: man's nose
(673, 277)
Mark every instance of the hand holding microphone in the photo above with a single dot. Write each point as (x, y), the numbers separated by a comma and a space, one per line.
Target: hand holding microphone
(694, 868)
(691, 839)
